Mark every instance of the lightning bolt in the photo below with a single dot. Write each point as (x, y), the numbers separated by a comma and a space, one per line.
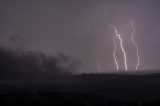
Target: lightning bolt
(122, 48)
(118, 36)
(121, 44)
(135, 44)
(98, 64)
(114, 53)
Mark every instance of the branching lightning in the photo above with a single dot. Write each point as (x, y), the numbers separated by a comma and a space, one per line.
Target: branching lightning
(122, 48)
(124, 52)
(118, 36)
(135, 44)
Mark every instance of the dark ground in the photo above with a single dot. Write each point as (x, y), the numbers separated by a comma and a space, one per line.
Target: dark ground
(84, 90)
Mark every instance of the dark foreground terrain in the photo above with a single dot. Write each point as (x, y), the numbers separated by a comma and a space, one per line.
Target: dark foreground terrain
(31, 79)
(84, 90)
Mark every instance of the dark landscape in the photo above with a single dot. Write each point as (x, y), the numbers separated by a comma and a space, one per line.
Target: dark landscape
(34, 88)
(79, 53)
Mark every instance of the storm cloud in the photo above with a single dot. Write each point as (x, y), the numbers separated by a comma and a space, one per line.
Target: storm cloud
(77, 28)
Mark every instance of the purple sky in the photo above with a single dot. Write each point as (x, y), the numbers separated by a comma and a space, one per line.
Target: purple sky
(76, 28)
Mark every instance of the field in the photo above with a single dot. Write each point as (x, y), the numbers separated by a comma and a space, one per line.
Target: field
(84, 90)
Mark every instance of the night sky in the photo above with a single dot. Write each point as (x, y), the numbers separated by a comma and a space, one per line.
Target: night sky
(77, 28)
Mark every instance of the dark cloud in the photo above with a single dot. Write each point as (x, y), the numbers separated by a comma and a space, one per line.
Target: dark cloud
(34, 65)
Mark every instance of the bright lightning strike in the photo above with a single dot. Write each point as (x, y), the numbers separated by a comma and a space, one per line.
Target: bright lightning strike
(135, 44)
(118, 36)
(114, 53)
(122, 48)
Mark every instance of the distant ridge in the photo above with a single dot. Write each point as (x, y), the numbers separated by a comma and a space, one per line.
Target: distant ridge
(121, 72)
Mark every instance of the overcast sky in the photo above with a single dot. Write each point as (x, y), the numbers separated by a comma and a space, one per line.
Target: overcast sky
(77, 28)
